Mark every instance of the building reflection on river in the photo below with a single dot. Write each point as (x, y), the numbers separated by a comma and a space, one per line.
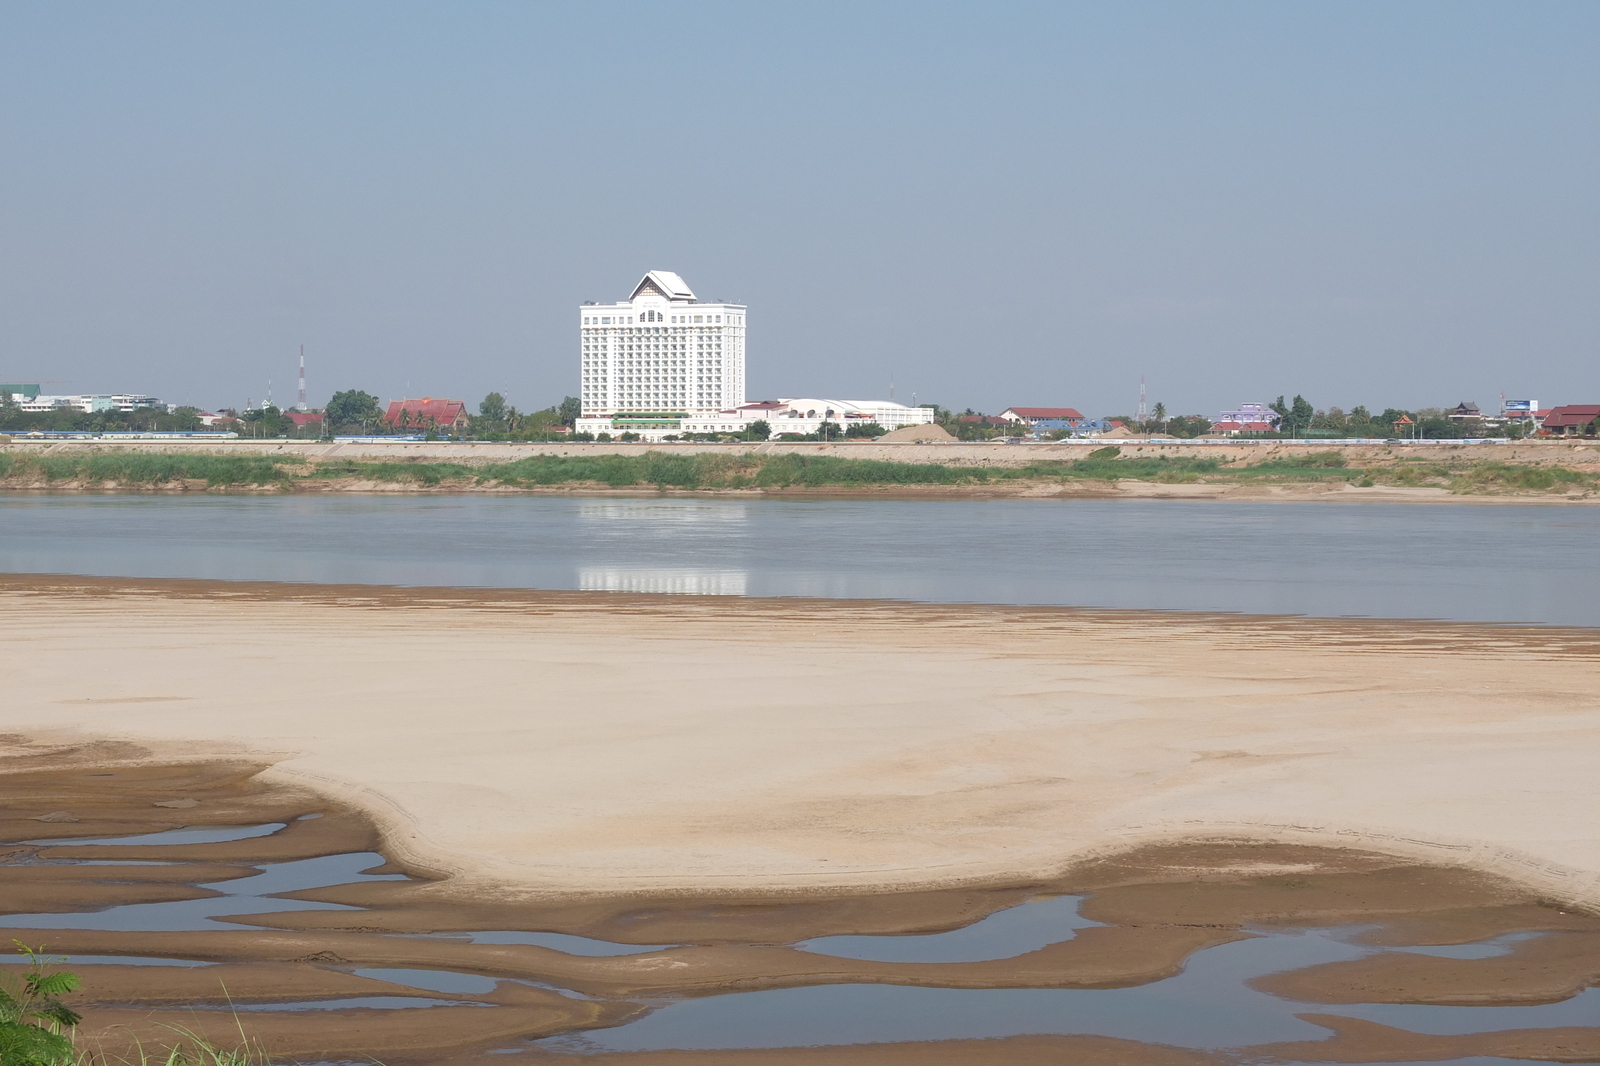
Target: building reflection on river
(682, 582)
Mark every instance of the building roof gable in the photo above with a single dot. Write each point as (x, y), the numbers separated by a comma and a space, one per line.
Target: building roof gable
(664, 283)
(1572, 414)
(1044, 412)
(441, 412)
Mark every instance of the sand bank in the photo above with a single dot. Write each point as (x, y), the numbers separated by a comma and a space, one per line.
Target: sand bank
(1547, 472)
(1158, 905)
(1125, 489)
(537, 745)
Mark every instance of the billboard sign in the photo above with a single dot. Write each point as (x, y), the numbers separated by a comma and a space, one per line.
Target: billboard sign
(1522, 407)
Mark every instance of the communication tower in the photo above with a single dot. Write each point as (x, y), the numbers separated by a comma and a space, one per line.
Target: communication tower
(300, 405)
(1144, 414)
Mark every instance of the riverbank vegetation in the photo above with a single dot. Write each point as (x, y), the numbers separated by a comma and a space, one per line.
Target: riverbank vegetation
(38, 1029)
(139, 469)
(749, 471)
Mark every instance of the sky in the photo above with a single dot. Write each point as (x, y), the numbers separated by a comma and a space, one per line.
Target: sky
(985, 204)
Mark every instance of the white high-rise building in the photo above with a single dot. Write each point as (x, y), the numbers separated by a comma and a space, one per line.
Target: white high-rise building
(661, 353)
(662, 365)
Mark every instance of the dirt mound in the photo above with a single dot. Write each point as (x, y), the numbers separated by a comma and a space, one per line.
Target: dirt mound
(929, 434)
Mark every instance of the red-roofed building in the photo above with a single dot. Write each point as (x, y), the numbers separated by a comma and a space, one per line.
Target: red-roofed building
(302, 419)
(1571, 420)
(448, 416)
(1029, 415)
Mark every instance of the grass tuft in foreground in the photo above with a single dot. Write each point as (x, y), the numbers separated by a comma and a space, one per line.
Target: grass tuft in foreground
(188, 1050)
(34, 1023)
(37, 1029)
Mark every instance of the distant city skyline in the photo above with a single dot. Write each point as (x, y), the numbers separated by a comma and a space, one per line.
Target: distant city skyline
(997, 204)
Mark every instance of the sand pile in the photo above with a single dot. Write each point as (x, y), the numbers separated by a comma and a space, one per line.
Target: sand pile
(929, 434)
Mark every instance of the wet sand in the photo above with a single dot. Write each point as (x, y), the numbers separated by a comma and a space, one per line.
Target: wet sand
(1160, 904)
(731, 776)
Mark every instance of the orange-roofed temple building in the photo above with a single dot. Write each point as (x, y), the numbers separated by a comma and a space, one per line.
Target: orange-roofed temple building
(448, 416)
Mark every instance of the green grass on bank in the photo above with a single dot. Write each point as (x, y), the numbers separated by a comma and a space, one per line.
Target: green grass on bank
(1504, 477)
(666, 470)
(721, 470)
(132, 468)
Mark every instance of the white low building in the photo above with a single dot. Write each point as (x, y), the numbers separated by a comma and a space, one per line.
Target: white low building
(121, 402)
(801, 417)
(806, 414)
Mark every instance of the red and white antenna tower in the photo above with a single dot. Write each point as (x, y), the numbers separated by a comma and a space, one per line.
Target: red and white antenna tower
(301, 405)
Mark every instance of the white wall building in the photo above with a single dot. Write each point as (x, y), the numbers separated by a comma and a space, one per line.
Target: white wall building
(806, 414)
(797, 416)
(123, 402)
(661, 353)
(662, 364)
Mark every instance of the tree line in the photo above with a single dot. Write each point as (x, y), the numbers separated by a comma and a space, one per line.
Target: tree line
(354, 411)
(1297, 418)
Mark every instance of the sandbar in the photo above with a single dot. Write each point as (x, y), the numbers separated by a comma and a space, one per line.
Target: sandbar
(539, 745)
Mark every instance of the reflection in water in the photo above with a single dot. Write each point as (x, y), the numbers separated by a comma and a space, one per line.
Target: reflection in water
(670, 512)
(245, 895)
(1002, 935)
(566, 942)
(125, 960)
(187, 835)
(678, 582)
(1582, 1009)
(1207, 1005)
(353, 1003)
(1509, 563)
(464, 984)
(1482, 949)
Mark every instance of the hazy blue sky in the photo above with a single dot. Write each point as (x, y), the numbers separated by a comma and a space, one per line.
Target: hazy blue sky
(997, 203)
